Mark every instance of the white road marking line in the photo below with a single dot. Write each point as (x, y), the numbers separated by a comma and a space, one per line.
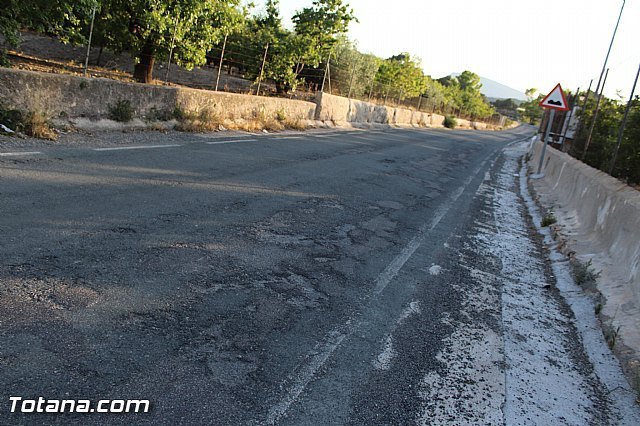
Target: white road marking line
(323, 350)
(288, 137)
(233, 141)
(386, 357)
(15, 154)
(122, 148)
(326, 136)
(435, 148)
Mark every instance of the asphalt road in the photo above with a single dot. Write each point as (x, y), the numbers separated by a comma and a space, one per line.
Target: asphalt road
(297, 279)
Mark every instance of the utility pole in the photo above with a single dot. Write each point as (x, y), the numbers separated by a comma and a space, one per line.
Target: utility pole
(326, 69)
(264, 59)
(86, 60)
(595, 116)
(353, 74)
(606, 59)
(584, 106)
(173, 41)
(552, 116)
(224, 46)
(624, 123)
(604, 66)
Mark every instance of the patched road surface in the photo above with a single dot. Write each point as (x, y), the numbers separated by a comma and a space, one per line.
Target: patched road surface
(362, 277)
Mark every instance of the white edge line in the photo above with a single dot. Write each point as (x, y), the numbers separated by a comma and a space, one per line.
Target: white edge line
(122, 148)
(322, 351)
(233, 141)
(15, 154)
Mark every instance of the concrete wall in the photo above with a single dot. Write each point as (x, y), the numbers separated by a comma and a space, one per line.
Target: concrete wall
(603, 215)
(66, 96)
(71, 96)
(342, 111)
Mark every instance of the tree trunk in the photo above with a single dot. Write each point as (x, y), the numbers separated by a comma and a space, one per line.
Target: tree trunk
(143, 71)
(99, 56)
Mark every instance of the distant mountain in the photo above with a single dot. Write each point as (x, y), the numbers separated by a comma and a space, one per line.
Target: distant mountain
(494, 90)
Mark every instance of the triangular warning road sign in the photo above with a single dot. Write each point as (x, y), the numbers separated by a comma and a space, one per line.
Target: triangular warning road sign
(555, 100)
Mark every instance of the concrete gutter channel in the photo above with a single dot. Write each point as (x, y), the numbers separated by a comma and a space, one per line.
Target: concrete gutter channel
(598, 223)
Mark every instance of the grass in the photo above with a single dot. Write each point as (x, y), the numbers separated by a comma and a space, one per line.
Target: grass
(32, 123)
(122, 111)
(611, 334)
(584, 274)
(450, 122)
(548, 220)
(37, 125)
(209, 120)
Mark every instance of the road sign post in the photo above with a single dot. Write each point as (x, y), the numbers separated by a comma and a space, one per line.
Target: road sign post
(552, 116)
(554, 101)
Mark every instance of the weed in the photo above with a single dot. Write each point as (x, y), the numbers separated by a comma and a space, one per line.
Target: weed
(37, 125)
(4, 60)
(295, 124)
(598, 308)
(155, 114)
(548, 219)
(281, 115)
(206, 120)
(178, 114)
(12, 118)
(611, 335)
(83, 85)
(157, 127)
(450, 122)
(122, 111)
(584, 273)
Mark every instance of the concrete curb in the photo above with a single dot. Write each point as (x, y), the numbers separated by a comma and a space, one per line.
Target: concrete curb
(598, 221)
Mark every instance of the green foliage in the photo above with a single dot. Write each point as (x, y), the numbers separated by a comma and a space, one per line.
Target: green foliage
(584, 274)
(122, 111)
(320, 26)
(548, 220)
(353, 69)
(450, 122)
(627, 165)
(12, 118)
(507, 107)
(530, 110)
(64, 18)
(463, 93)
(403, 76)
(605, 136)
(149, 27)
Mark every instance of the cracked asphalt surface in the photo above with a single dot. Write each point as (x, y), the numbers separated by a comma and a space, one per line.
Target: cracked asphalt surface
(320, 278)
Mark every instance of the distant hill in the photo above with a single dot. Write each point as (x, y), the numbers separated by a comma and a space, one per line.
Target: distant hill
(494, 90)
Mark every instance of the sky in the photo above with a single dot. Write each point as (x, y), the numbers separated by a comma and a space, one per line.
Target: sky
(519, 43)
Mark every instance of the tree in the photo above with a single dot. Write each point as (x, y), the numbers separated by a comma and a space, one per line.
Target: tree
(531, 110)
(354, 71)
(463, 92)
(320, 26)
(149, 27)
(64, 18)
(284, 48)
(469, 82)
(403, 75)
